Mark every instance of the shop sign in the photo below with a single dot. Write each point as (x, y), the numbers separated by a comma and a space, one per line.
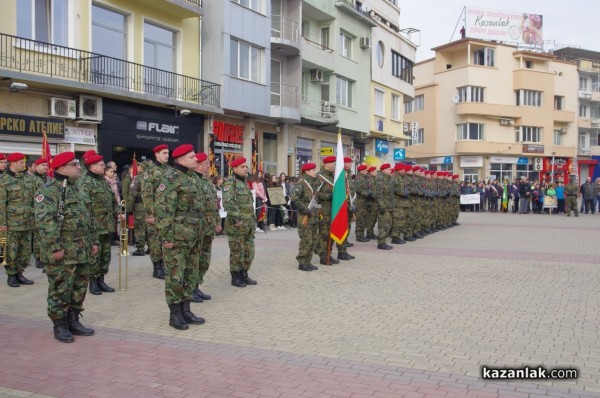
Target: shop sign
(523, 161)
(533, 148)
(228, 135)
(304, 152)
(471, 161)
(31, 126)
(78, 135)
(504, 159)
(560, 164)
(382, 146)
(399, 153)
(304, 143)
(441, 160)
(327, 151)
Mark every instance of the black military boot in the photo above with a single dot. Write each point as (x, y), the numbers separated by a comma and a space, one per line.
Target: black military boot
(61, 331)
(410, 238)
(345, 256)
(138, 252)
(332, 260)
(38, 264)
(314, 267)
(246, 278)
(236, 280)
(75, 327)
(176, 317)
(384, 246)
(22, 280)
(372, 236)
(304, 267)
(188, 315)
(159, 271)
(349, 244)
(12, 281)
(103, 286)
(202, 295)
(362, 239)
(419, 235)
(196, 297)
(94, 288)
(398, 241)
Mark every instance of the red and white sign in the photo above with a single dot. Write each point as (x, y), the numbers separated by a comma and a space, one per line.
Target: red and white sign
(504, 26)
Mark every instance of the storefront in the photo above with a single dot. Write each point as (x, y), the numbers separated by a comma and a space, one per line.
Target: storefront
(504, 168)
(226, 144)
(304, 153)
(441, 163)
(471, 167)
(556, 169)
(130, 128)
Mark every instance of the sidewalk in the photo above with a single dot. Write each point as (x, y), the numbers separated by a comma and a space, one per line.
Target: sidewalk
(417, 321)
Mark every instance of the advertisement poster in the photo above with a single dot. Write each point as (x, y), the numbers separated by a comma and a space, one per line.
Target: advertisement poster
(504, 26)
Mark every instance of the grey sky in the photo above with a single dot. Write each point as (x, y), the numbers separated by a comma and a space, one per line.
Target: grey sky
(571, 22)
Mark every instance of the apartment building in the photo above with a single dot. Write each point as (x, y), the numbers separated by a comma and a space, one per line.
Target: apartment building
(588, 115)
(489, 110)
(112, 75)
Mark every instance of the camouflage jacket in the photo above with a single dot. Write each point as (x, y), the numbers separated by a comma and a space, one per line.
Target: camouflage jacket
(40, 180)
(208, 198)
(100, 198)
(178, 208)
(151, 179)
(237, 198)
(571, 190)
(76, 233)
(16, 201)
(384, 191)
(302, 194)
(360, 184)
(326, 193)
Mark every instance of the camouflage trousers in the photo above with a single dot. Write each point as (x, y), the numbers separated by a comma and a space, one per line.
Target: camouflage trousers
(324, 230)
(384, 225)
(361, 216)
(399, 219)
(154, 244)
(181, 270)
(36, 245)
(99, 264)
(371, 220)
(139, 219)
(18, 251)
(241, 242)
(309, 236)
(571, 205)
(205, 251)
(67, 286)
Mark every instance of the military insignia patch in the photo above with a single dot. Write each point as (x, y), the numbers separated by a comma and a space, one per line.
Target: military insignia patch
(39, 198)
(226, 189)
(146, 176)
(162, 187)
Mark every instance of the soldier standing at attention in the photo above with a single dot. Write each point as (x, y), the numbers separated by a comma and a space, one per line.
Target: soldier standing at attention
(179, 221)
(350, 196)
(362, 196)
(308, 219)
(240, 223)
(3, 164)
(371, 203)
(68, 241)
(99, 196)
(384, 193)
(571, 193)
(41, 176)
(132, 194)
(16, 217)
(401, 205)
(153, 172)
(211, 222)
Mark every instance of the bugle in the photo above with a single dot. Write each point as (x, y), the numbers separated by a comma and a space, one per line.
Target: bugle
(3, 247)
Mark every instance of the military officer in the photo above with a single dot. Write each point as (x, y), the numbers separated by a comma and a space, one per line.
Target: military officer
(153, 172)
(41, 176)
(68, 240)
(101, 200)
(304, 192)
(401, 205)
(571, 193)
(179, 222)
(371, 203)
(16, 217)
(3, 164)
(363, 194)
(134, 204)
(240, 223)
(384, 194)
(350, 195)
(211, 222)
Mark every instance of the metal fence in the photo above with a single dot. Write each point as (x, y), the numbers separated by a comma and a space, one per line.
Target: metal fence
(284, 95)
(284, 28)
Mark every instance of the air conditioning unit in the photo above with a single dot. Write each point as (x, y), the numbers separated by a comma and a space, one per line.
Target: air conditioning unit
(506, 122)
(316, 75)
(60, 107)
(365, 42)
(89, 108)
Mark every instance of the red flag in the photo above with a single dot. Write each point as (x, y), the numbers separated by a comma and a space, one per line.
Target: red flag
(262, 216)
(134, 166)
(46, 153)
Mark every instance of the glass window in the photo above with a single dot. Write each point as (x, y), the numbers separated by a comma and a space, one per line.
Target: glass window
(558, 102)
(379, 102)
(558, 137)
(343, 92)
(395, 107)
(501, 171)
(471, 94)
(419, 103)
(484, 57)
(530, 134)
(471, 175)
(583, 110)
(380, 52)
(583, 86)
(159, 47)
(529, 97)
(402, 67)
(419, 139)
(408, 107)
(325, 37)
(245, 61)
(43, 20)
(109, 34)
(252, 4)
(470, 131)
(345, 45)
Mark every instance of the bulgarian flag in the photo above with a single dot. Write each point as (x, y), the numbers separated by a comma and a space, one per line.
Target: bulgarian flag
(339, 205)
(46, 154)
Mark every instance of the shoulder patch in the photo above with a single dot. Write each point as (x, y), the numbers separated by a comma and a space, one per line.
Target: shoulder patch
(146, 176)
(162, 187)
(39, 198)
(225, 189)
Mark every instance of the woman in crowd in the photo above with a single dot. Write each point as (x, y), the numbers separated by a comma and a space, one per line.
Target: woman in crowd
(218, 182)
(560, 198)
(537, 197)
(261, 197)
(273, 214)
(551, 193)
(481, 192)
(494, 195)
(287, 191)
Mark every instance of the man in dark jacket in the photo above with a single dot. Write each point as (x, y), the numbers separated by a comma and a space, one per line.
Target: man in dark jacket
(524, 195)
(587, 195)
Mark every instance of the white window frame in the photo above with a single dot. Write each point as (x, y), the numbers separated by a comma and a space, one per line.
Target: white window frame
(395, 107)
(252, 74)
(559, 102)
(583, 111)
(254, 5)
(484, 57)
(379, 101)
(67, 25)
(346, 43)
(583, 84)
(558, 137)
(408, 107)
(463, 132)
(420, 138)
(531, 134)
(343, 91)
(530, 98)
(419, 103)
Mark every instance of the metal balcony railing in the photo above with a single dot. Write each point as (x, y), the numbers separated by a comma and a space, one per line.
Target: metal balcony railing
(25, 55)
(284, 28)
(197, 3)
(284, 95)
(358, 8)
(316, 109)
(317, 45)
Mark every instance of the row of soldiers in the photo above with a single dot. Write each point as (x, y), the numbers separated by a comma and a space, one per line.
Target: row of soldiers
(406, 202)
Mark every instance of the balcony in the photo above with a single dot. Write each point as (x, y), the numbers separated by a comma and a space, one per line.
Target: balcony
(316, 56)
(564, 116)
(285, 36)
(285, 102)
(318, 112)
(488, 109)
(181, 8)
(360, 12)
(82, 70)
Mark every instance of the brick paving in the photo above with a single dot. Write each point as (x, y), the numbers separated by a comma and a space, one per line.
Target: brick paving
(417, 321)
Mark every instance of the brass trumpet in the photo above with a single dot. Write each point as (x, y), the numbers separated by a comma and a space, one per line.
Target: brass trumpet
(123, 242)
(3, 247)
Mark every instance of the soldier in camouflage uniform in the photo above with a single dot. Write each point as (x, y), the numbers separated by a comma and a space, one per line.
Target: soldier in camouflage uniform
(211, 223)
(68, 240)
(384, 194)
(401, 204)
(104, 206)
(308, 219)
(240, 223)
(372, 207)
(363, 194)
(3, 164)
(571, 193)
(179, 222)
(134, 204)
(16, 217)
(40, 178)
(350, 195)
(153, 172)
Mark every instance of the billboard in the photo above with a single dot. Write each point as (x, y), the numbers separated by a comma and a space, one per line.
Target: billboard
(505, 26)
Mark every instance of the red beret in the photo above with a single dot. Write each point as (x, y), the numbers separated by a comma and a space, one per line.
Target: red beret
(384, 166)
(180, 150)
(89, 153)
(2, 157)
(93, 159)
(308, 166)
(415, 168)
(160, 147)
(329, 159)
(372, 169)
(455, 176)
(15, 157)
(201, 156)
(40, 161)
(237, 162)
(347, 159)
(398, 166)
(361, 167)
(62, 158)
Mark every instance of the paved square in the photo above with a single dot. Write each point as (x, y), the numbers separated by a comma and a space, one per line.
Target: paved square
(420, 320)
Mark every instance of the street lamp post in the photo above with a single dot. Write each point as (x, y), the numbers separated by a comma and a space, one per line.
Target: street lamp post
(553, 153)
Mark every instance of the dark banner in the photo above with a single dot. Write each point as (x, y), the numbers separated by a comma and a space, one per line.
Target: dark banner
(31, 126)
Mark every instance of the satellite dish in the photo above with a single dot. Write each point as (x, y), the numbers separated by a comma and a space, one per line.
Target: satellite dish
(455, 99)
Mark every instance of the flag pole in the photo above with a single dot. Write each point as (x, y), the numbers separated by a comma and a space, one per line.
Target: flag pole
(328, 251)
